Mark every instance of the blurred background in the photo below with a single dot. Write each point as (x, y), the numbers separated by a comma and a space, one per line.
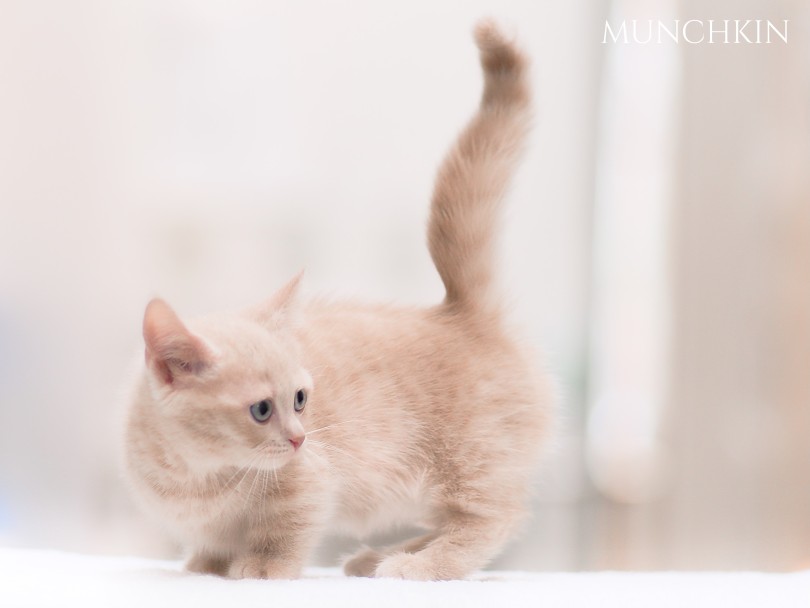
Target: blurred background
(656, 244)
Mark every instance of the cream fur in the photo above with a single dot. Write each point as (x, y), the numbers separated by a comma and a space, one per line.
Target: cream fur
(433, 417)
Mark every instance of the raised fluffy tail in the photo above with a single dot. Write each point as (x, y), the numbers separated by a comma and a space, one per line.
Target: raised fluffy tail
(474, 176)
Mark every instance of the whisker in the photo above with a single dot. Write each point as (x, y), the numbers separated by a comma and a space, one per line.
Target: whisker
(248, 499)
(262, 506)
(331, 447)
(239, 470)
(329, 426)
(318, 456)
(234, 489)
(246, 468)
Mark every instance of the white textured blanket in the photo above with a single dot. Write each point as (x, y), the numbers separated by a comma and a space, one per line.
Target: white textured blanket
(49, 578)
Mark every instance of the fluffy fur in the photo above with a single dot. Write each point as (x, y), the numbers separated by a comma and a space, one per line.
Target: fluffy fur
(431, 417)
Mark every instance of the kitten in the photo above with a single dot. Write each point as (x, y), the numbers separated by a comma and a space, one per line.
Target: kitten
(252, 434)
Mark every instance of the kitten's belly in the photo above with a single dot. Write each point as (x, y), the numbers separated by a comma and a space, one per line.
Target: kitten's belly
(361, 524)
(376, 506)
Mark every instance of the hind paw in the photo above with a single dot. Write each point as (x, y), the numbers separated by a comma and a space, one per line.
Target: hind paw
(411, 566)
(363, 563)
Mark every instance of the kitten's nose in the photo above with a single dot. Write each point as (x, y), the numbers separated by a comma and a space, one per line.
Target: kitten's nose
(297, 441)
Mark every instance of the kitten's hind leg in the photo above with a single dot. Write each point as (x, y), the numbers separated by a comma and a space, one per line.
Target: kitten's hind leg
(206, 563)
(365, 562)
(463, 543)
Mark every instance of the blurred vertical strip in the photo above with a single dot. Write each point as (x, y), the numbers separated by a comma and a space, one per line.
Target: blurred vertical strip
(741, 349)
(630, 316)
(4, 381)
(7, 388)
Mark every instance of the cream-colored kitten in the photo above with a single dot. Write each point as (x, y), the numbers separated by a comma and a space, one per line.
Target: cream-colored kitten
(252, 434)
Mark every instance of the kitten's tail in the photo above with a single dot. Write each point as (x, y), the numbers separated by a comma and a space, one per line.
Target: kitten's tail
(474, 176)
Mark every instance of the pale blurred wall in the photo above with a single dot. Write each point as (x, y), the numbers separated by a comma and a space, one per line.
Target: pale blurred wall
(206, 151)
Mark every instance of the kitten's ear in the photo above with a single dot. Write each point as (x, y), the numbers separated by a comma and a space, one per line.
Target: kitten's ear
(172, 352)
(282, 307)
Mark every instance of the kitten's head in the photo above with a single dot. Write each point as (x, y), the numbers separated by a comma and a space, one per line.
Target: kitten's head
(228, 390)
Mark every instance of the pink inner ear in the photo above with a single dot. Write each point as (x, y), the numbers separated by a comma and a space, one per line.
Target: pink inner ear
(172, 351)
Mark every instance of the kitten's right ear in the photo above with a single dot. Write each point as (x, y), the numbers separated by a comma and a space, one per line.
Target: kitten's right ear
(173, 353)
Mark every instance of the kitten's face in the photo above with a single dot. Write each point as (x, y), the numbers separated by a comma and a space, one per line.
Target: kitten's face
(229, 391)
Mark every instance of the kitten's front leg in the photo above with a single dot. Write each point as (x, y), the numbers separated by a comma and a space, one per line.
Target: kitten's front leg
(258, 565)
(270, 554)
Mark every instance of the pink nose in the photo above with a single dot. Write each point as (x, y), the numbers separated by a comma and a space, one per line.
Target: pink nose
(297, 441)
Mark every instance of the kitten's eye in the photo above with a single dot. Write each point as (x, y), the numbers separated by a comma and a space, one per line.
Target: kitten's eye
(262, 410)
(300, 400)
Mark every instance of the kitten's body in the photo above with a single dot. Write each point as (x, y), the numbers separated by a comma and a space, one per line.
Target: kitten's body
(432, 417)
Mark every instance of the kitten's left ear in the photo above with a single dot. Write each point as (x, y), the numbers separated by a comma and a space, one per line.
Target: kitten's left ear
(282, 307)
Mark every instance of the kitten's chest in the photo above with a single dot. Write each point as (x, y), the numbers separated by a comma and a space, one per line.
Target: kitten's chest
(214, 512)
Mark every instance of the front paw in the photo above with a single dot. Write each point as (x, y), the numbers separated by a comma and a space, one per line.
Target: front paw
(262, 566)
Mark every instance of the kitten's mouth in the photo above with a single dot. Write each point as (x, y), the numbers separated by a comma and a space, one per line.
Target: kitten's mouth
(277, 456)
(277, 452)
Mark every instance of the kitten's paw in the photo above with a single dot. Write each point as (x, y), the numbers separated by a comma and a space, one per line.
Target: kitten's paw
(412, 566)
(261, 566)
(363, 563)
(202, 563)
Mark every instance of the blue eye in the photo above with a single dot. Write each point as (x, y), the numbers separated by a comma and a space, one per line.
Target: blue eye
(300, 400)
(262, 410)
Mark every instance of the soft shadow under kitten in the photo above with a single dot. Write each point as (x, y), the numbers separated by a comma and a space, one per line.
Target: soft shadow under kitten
(252, 435)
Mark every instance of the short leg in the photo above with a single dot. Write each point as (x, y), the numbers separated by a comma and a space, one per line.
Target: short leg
(206, 563)
(279, 537)
(258, 565)
(464, 543)
(365, 562)
(268, 554)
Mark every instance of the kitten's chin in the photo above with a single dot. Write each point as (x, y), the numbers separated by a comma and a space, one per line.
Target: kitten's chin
(275, 462)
